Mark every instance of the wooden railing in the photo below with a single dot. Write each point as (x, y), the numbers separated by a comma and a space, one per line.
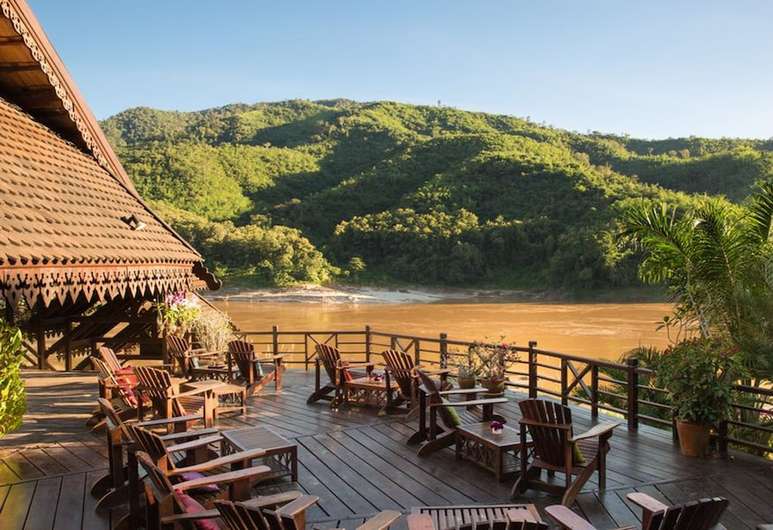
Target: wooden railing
(619, 388)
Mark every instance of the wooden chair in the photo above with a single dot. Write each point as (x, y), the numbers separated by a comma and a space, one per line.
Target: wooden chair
(250, 367)
(169, 402)
(110, 359)
(401, 367)
(703, 514)
(192, 361)
(556, 448)
(257, 515)
(119, 390)
(338, 372)
(438, 437)
(170, 506)
(476, 517)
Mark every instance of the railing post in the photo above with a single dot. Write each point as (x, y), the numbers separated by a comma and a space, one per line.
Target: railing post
(633, 393)
(275, 340)
(306, 351)
(564, 382)
(532, 369)
(417, 351)
(444, 350)
(594, 391)
(41, 346)
(367, 344)
(393, 342)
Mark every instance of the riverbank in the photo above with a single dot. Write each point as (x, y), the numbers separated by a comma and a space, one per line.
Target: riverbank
(350, 294)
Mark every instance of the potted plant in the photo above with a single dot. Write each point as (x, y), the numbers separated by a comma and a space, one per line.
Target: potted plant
(491, 361)
(698, 375)
(467, 373)
(177, 313)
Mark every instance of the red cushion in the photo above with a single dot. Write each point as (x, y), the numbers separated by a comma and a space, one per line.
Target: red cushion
(128, 370)
(193, 475)
(191, 505)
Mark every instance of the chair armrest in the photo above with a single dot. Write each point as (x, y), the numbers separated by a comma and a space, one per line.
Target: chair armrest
(380, 521)
(168, 421)
(192, 392)
(532, 423)
(462, 391)
(268, 501)
(204, 354)
(222, 461)
(193, 444)
(182, 517)
(596, 432)
(299, 505)
(224, 478)
(566, 518)
(647, 503)
(186, 435)
(419, 521)
(347, 364)
(277, 357)
(492, 401)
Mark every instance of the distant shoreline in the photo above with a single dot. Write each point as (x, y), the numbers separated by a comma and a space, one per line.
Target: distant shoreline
(351, 294)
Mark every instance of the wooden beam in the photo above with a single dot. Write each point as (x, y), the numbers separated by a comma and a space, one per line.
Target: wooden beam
(10, 68)
(11, 41)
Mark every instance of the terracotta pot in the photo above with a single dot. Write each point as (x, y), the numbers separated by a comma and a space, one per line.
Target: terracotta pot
(466, 381)
(693, 438)
(494, 386)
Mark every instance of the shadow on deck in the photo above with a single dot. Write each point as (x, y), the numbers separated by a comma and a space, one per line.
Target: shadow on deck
(356, 462)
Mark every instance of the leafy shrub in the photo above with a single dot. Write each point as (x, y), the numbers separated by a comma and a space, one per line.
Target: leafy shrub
(12, 399)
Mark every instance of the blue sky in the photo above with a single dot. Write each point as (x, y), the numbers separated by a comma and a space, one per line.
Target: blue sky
(650, 69)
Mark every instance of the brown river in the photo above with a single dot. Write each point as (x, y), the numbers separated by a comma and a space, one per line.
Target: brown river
(595, 330)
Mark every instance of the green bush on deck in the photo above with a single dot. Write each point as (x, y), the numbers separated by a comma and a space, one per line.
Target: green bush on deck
(12, 400)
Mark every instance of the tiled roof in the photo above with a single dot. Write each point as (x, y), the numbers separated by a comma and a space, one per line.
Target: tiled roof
(58, 206)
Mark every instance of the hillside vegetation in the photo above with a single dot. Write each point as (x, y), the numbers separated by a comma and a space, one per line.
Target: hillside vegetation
(310, 191)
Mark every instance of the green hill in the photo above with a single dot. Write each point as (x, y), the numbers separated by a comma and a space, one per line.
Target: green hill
(307, 191)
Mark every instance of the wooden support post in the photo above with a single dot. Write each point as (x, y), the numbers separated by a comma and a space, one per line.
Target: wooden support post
(417, 351)
(10, 317)
(68, 345)
(633, 393)
(367, 344)
(532, 369)
(41, 346)
(564, 382)
(444, 350)
(306, 351)
(722, 438)
(594, 391)
(275, 340)
(393, 342)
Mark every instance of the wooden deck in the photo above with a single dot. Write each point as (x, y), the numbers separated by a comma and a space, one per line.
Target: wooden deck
(355, 461)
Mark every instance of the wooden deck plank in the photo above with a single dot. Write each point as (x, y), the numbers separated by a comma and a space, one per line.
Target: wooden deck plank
(41, 510)
(16, 506)
(69, 509)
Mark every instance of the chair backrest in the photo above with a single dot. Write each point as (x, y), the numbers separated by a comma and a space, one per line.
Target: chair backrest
(550, 440)
(150, 443)
(402, 368)
(109, 358)
(107, 379)
(157, 386)
(243, 354)
(702, 514)
(164, 500)
(176, 345)
(238, 517)
(329, 356)
(104, 373)
(113, 421)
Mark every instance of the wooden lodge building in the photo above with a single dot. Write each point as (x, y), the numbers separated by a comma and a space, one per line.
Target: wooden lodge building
(82, 256)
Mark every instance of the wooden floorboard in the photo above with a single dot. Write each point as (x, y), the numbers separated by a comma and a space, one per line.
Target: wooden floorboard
(355, 461)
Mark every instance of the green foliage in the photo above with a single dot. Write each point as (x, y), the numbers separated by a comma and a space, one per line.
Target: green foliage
(12, 398)
(699, 376)
(422, 194)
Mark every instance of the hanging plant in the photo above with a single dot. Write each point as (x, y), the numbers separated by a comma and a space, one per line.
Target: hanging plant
(177, 313)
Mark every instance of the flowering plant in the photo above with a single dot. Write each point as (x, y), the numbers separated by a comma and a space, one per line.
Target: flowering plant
(177, 313)
(497, 426)
(491, 359)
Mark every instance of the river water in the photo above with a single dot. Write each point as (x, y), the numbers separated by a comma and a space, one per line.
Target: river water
(595, 330)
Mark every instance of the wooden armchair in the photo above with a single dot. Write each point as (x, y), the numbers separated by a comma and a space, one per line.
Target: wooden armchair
(401, 367)
(338, 373)
(168, 402)
(476, 517)
(257, 515)
(120, 391)
(110, 359)
(442, 409)
(703, 514)
(251, 372)
(174, 506)
(195, 364)
(556, 448)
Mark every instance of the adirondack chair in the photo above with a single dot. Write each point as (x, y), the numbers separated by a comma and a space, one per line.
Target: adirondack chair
(171, 506)
(113, 488)
(109, 357)
(258, 515)
(556, 448)
(338, 372)
(192, 362)
(438, 437)
(703, 514)
(476, 517)
(251, 371)
(401, 367)
(168, 401)
(119, 390)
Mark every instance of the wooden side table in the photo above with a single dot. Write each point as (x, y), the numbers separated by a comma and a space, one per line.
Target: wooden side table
(496, 452)
(281, 454)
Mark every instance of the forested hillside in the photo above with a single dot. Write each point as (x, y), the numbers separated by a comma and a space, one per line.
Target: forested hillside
(312, 191)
